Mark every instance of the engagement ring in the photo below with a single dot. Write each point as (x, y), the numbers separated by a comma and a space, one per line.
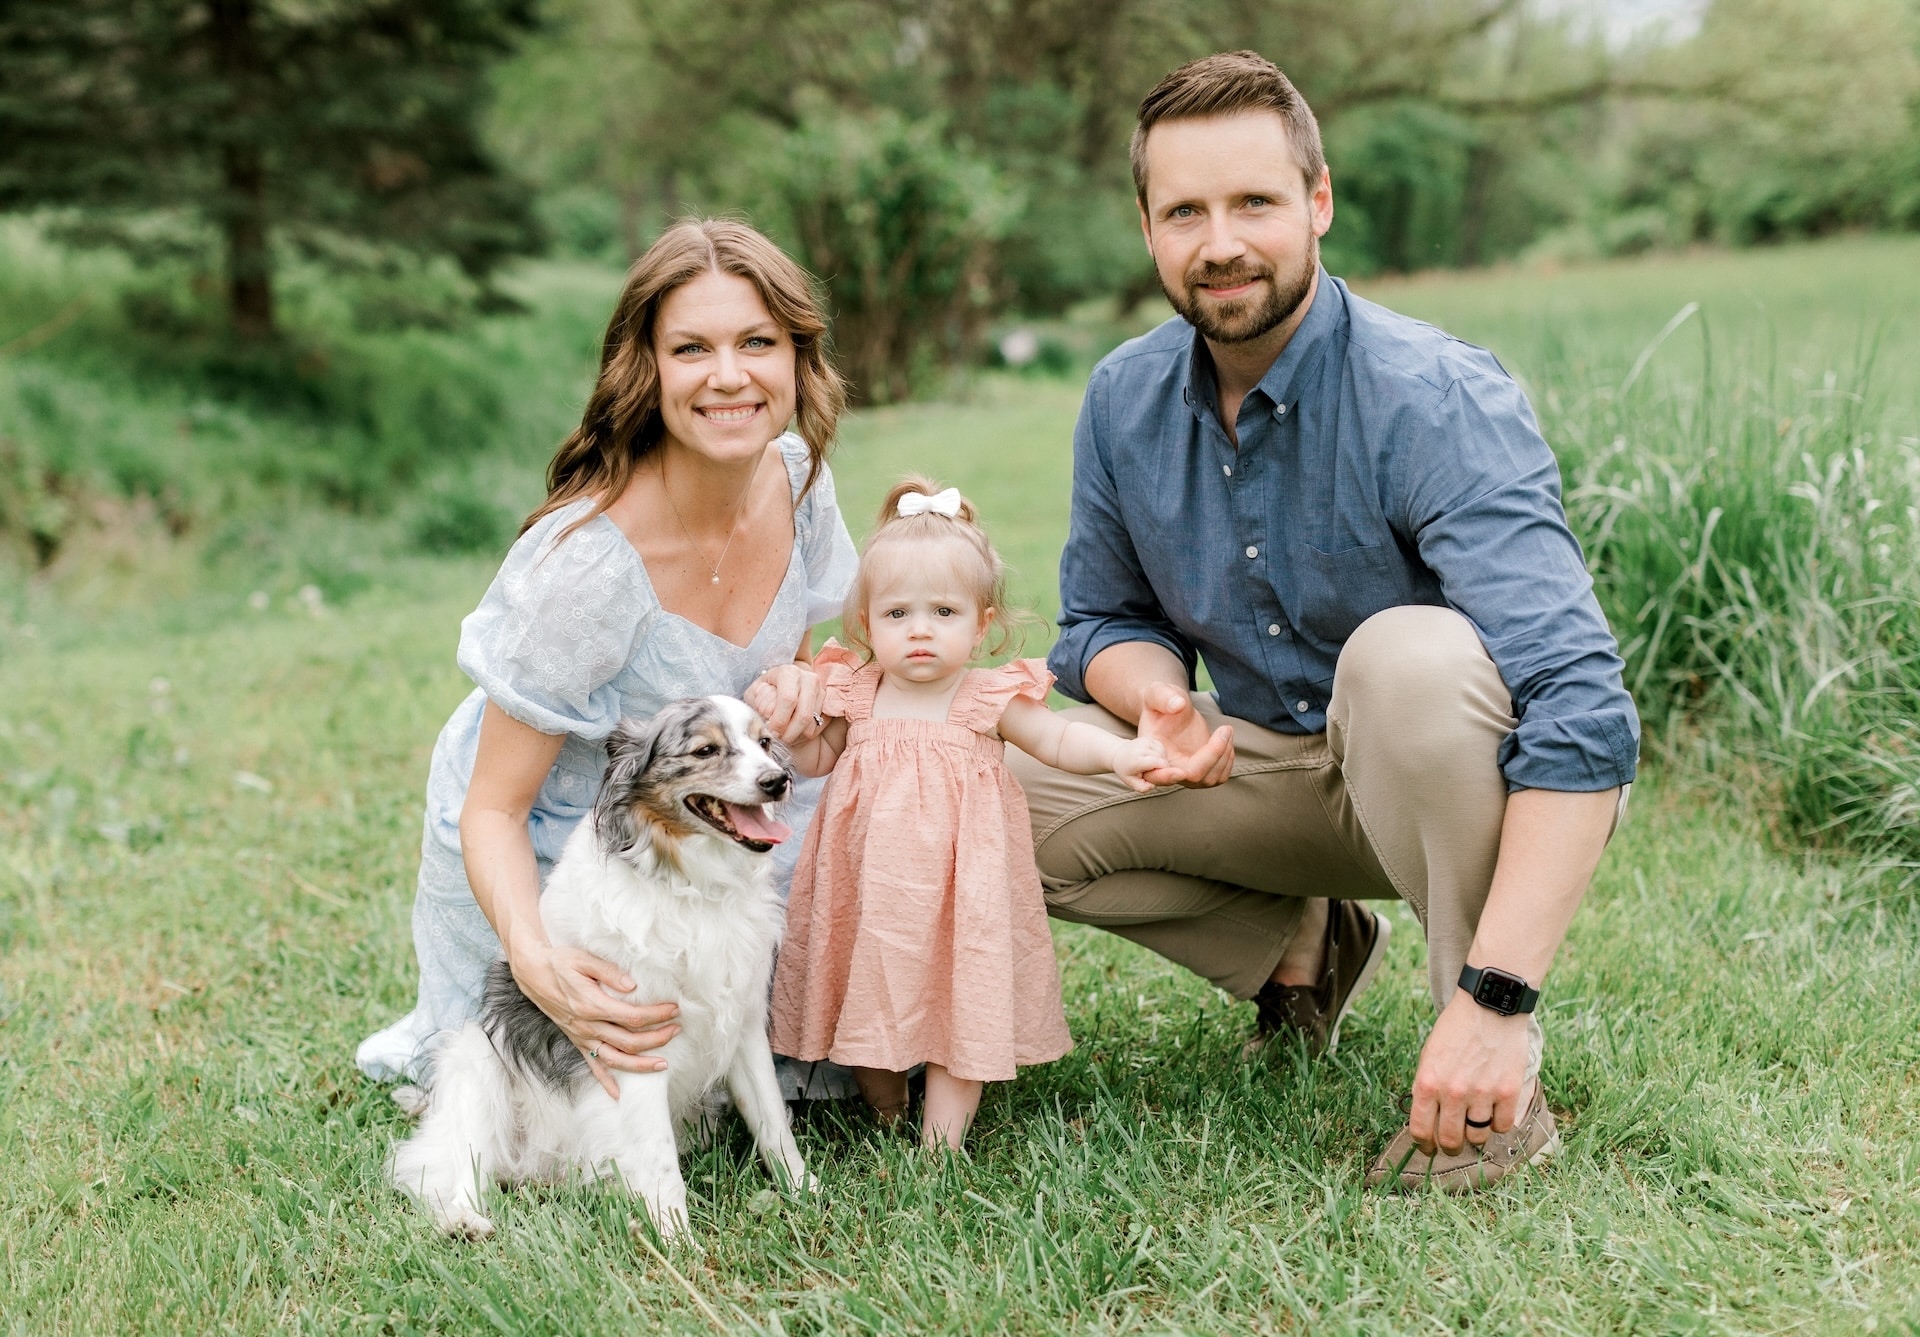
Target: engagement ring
(594, 1052)
(818, 722)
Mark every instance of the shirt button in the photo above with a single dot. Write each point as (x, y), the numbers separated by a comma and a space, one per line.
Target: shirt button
(1273, 628)
(1302, 707)
(1280, 410)
(1227, 469)
(1252, 551)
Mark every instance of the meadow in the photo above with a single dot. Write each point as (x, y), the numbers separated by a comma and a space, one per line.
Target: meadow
(214, 732)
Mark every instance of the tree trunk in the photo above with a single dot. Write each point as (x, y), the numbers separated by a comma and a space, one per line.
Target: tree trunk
(243, 211)
(249, 264)
(1483, 164)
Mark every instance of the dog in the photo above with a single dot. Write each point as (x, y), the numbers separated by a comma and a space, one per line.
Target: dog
(668, 878)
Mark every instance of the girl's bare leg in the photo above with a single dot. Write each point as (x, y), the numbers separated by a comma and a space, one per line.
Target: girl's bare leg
(885, 1093)
(951, 1104)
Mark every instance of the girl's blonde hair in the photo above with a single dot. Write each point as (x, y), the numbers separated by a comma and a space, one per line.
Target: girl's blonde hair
(622, 424)
(972, 561)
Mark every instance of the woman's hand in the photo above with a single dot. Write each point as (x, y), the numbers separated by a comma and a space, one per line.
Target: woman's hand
(577, 990)
(789, 698)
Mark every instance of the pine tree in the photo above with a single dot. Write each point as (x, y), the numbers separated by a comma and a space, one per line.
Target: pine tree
(323, 124)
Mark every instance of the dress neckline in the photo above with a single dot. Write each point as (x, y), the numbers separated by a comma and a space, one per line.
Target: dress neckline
(646, 579)
(793, 560)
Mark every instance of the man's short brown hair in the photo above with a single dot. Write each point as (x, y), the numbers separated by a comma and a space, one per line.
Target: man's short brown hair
(1223, 85)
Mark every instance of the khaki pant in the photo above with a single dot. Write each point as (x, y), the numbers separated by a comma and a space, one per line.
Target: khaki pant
(1400, 797)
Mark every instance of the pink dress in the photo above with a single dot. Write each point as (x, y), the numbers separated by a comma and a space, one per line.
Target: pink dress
(916, 931)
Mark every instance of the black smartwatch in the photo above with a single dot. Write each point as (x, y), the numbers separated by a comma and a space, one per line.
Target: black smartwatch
(1498, 991)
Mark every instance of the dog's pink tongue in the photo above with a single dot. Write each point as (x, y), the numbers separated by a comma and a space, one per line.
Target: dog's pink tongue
(754, 824)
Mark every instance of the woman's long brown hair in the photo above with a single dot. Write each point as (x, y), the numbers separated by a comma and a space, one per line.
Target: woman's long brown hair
(622, 425)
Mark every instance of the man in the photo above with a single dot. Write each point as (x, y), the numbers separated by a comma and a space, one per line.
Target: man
(1353, 519)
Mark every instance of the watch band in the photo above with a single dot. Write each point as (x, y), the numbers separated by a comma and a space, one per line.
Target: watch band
(1498, 990)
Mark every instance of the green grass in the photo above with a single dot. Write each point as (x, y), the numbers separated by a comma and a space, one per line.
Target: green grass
(209, 817)
(186, 962)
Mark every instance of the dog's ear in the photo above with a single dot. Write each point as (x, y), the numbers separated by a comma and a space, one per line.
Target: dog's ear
(630, 750)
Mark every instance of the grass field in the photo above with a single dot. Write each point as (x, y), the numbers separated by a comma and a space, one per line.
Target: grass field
(208, 818)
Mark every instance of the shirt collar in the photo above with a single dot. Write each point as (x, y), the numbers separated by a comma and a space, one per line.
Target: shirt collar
(1280, 385)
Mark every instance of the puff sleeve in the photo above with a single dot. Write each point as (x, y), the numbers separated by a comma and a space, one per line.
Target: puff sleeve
(837, 665)
(558, 625)
(826, 548)
(992, 690)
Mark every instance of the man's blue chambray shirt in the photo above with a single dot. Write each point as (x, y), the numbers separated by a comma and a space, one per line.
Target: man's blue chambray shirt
(1381, 462)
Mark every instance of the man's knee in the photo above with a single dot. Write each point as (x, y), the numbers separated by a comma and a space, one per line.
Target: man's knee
(1417, 679)
(1415, 650)
(1416, 657)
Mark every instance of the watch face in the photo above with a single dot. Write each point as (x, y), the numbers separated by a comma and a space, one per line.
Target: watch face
(1500, 991)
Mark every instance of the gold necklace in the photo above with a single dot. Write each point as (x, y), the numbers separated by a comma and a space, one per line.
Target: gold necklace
(712, 567)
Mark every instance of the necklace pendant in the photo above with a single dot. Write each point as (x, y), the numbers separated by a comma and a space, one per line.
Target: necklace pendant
(716, 578)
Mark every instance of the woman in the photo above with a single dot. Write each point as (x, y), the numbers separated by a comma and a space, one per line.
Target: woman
(687, 545)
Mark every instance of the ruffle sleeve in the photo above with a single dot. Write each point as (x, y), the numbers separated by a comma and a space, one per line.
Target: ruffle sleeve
(837, 665)
(990, 691)
(557, 626)
(826, 549)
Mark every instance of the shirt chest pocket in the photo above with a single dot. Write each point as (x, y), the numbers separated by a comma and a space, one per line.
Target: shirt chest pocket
(1334, 592)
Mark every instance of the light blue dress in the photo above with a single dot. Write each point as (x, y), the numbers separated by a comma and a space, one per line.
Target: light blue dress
(569, 638)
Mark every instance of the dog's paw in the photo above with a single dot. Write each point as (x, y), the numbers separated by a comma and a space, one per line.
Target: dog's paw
(411, 1100)
(670, 1222)
(463, 1222)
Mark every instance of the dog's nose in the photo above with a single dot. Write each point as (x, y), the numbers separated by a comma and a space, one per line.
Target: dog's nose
(775, 785)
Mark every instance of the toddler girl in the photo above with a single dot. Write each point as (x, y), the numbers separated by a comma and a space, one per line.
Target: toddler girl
(916, 931)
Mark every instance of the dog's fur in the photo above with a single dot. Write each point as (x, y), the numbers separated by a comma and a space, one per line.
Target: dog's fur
(669, 879)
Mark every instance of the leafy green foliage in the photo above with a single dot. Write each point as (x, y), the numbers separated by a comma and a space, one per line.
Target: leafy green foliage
(344, 130)
(898, 223)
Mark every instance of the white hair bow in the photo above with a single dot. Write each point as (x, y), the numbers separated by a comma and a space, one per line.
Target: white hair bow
(940, 503)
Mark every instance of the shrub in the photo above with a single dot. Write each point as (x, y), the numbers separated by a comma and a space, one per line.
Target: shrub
(899, 225)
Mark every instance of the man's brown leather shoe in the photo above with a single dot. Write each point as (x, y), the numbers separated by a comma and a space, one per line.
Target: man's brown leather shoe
(1532, 1141)
(1356, 944)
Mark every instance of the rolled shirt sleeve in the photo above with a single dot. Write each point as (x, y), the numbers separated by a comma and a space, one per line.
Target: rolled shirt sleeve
(1484, 511)
(1105, 596)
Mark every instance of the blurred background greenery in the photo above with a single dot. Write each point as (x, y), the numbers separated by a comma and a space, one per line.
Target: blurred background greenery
(943, 166)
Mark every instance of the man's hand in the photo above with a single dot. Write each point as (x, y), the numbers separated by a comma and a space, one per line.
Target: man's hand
(1474, 1066)
(1196, 757)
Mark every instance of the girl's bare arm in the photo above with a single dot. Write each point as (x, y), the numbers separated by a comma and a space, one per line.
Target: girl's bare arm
(1070, 745)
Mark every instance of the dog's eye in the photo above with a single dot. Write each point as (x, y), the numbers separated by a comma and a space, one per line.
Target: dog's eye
(766, 744)
(707, 750)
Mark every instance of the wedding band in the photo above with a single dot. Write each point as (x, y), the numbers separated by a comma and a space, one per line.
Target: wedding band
(1480, 1123)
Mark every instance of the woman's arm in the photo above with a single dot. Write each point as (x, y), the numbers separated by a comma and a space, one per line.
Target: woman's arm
(1070, 745)
(570, 986)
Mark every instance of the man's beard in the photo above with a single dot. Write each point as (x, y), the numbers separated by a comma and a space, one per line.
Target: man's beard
(1248, 318)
